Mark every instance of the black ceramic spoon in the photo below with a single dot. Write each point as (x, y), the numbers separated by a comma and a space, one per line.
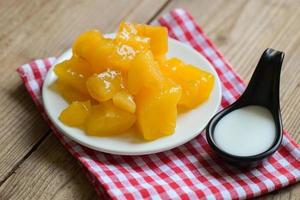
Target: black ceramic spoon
(263, 90)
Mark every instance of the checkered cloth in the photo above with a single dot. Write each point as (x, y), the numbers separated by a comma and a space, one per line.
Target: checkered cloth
(191, 171)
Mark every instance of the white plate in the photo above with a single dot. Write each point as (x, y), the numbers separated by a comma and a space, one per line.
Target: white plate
(189, 124)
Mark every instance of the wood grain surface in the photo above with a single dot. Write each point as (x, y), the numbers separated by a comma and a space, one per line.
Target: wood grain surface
(33, 164)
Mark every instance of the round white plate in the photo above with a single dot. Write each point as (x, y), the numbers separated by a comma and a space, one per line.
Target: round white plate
(189, 124)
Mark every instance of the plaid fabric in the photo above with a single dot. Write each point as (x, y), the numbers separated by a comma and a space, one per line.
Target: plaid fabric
(191, 171)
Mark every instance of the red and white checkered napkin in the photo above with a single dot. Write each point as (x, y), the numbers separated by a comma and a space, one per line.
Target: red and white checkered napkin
(190, 171)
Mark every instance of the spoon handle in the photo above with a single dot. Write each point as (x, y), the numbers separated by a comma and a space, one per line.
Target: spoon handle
(263, 88)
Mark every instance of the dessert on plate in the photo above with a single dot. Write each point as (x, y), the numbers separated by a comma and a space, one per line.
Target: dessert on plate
(126, 82)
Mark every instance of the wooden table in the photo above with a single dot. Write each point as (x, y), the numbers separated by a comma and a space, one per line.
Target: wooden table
(33, 164)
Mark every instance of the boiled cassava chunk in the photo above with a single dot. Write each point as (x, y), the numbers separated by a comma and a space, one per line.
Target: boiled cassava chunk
(157, 110)
(125, 101)
(158, 38)
(76, 113)
(196, 84)
(127, 45)
(144, 72)
(107, 119)
(105, 85)
(128, 35)
(94, 48)
(69, 93)
(74, 72)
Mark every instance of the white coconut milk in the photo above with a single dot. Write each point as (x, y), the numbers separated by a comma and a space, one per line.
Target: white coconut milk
(246, 131)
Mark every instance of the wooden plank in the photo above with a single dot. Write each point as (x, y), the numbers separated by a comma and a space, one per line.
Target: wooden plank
(242, 30)
(38, 29)
(49, 173)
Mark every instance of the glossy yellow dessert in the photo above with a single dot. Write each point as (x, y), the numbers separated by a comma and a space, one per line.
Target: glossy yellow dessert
(115, 84)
